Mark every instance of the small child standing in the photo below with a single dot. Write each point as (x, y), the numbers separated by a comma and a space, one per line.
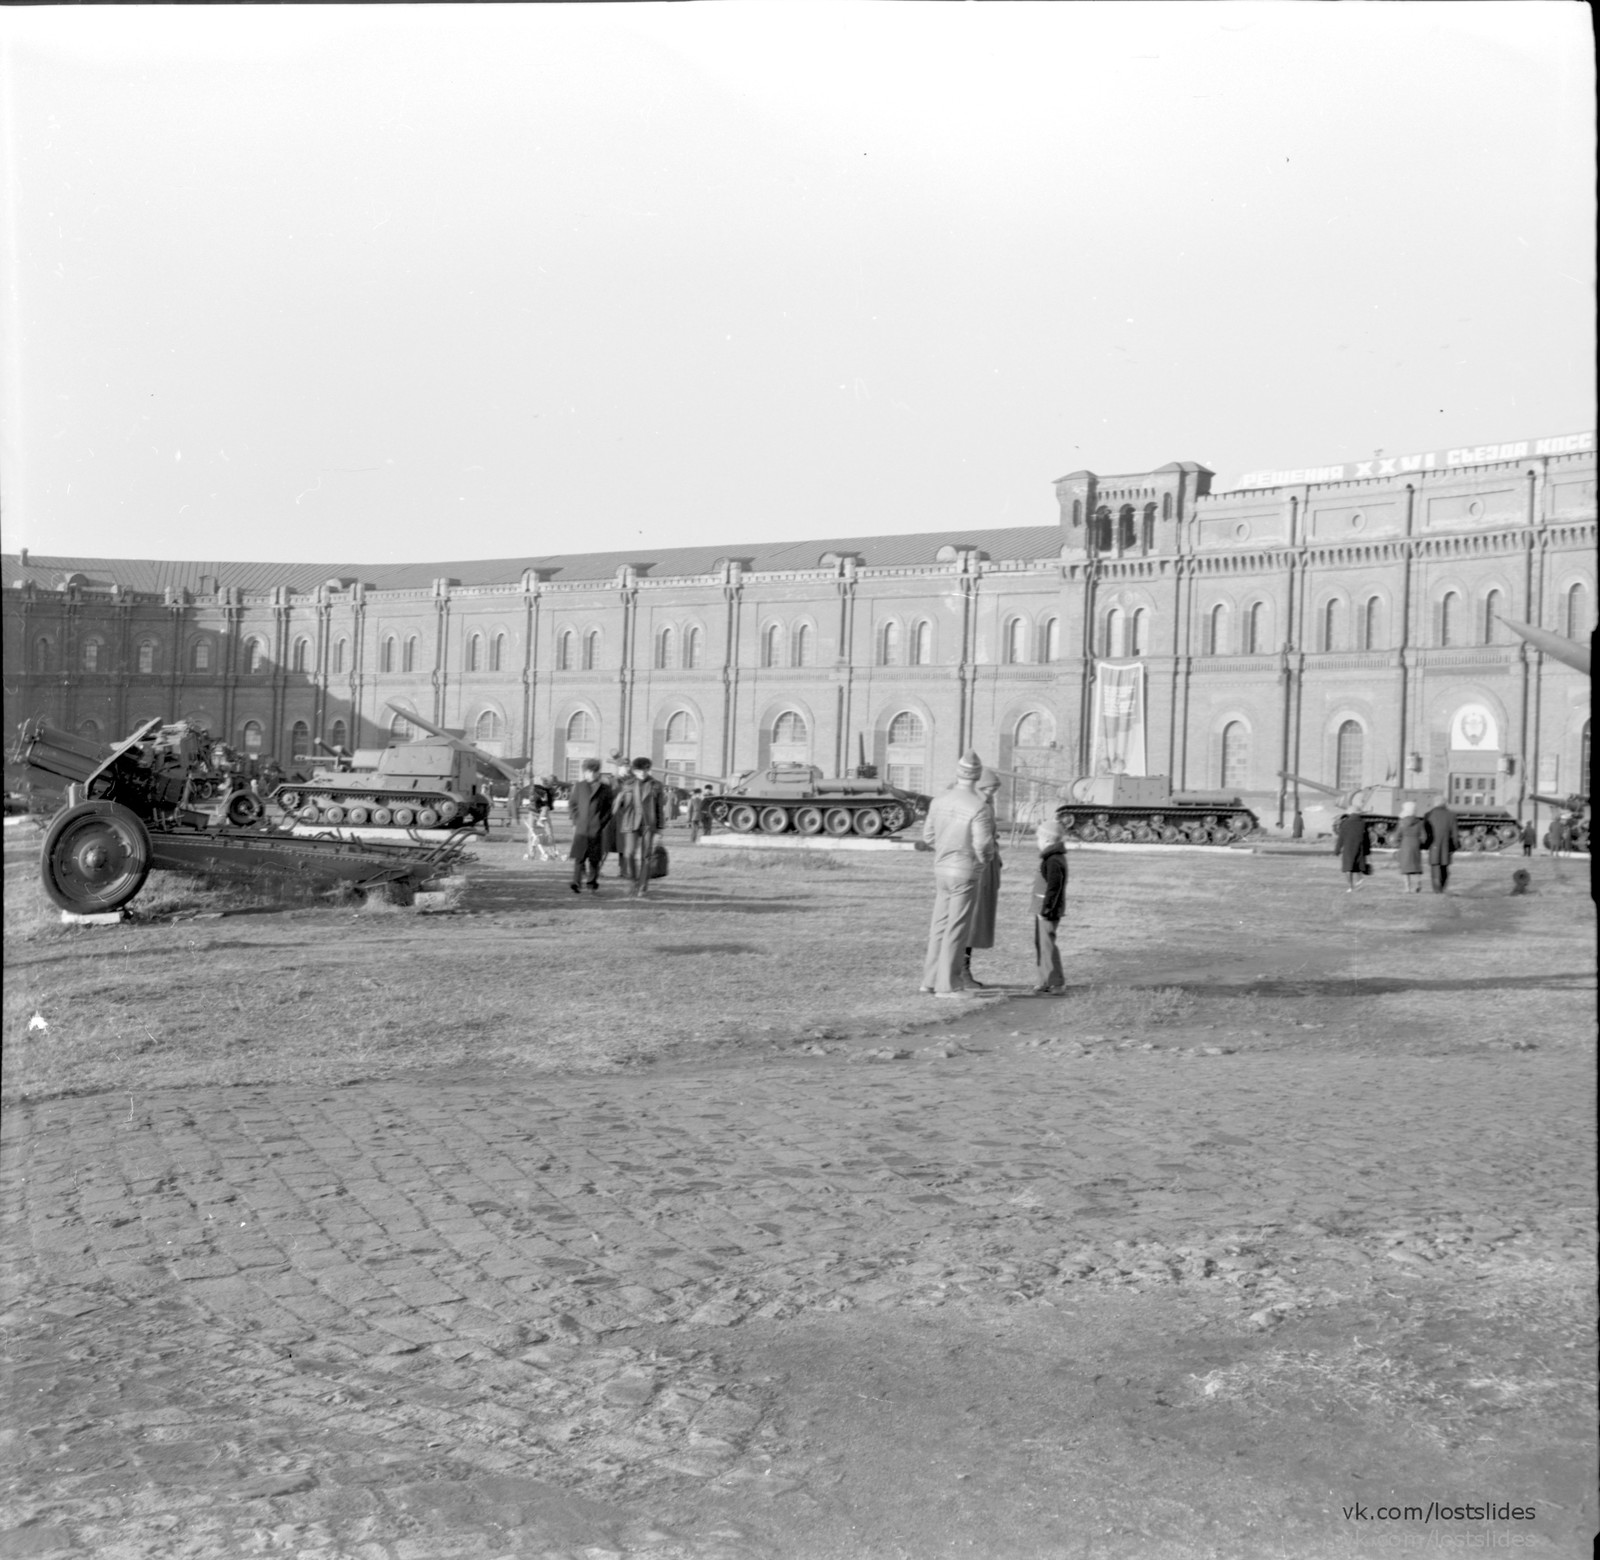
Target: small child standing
(1049, 905)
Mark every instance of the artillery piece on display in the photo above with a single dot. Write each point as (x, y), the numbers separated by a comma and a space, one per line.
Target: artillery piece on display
(797, 799)
(1145, 809)
(436, 781)
(156, 801)
(1479, 829)
(1576, 819)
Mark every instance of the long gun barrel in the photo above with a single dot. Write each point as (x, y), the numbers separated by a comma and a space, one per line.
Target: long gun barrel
(1311, 785)
(1570, 652)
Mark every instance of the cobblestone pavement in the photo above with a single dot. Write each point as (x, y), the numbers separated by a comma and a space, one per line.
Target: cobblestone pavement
(392, 1319)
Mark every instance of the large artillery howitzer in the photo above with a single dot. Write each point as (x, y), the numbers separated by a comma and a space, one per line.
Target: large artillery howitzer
(156, 801)
(432, 782)
(1572, 826)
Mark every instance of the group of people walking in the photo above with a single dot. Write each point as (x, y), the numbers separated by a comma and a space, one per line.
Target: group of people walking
(962, 831)
(623, 814)
(1420, 839)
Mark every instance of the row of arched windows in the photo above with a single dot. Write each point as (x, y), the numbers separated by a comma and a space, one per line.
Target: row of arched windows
(795, 645)
(1021, 642)
(899, 647)
(676, 650)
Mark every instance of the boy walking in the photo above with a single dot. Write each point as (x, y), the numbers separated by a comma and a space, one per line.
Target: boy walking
(1049, 905)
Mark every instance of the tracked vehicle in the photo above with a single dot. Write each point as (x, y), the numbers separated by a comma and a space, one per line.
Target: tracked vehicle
(438, 781)
(1479, 829)
(1145, 809)
(797, 799)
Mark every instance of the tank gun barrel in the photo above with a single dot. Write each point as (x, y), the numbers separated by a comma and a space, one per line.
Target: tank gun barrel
(1570, 652)
(1574, 803)
(1312, 785)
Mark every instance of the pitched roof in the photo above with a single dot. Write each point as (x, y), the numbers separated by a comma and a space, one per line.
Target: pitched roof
(157, 574)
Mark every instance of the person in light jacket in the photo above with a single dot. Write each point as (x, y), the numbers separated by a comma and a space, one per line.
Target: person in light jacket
(959, 829)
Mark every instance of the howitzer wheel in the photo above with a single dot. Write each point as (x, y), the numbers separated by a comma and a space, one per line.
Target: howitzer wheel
(96, 857)
(309, 813)
(742, 818)
(774, 820)
(244, 809)
(447, 810)
(808, 820)
(1171, 834)
(837, 821)
(869, 823)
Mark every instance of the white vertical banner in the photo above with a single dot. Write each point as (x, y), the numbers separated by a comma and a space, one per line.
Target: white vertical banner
(1118, 746)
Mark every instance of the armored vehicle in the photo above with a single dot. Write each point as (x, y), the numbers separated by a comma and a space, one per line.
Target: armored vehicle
(796, 799)
(437, 781)
(1485, 828)
(156, 800)
(1143, 808)
(1573, 827)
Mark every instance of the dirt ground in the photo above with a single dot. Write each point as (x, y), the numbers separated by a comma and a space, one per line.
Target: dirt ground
(574, 1228)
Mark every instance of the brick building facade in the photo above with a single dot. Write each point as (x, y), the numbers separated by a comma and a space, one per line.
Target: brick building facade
(1337, 622)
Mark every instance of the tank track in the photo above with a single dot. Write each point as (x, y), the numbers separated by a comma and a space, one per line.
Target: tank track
(1157, 825)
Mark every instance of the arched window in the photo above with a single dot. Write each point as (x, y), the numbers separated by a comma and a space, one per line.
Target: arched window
(250, 737)
(497, 653)
(90, 729)
(1052, 639)
(1492, 604)
(341, 648)
(770, 641)
(401, 729)
(386, 655)
(201, 658)
(1216, 629)
(1577, 612)
(41, 654)
(693, 649)
(1147, 535)
(1126, 539)
(1235, 756)
(591, 649)
(488, 728)
(338, 734)
(299, 742)
(1256, 629)
(1015, 648)
(805, 652)
(147, 656)
(564, 651)
(1372, 624)
(408, 656)
(665, 642)
(91, 655)
(1450, 618)
(1102, 529)
(1035, 730)
(581, 742)
(681, 743)
(299, 656)
(1139, 641)
(256, 656)
(1111, 644)
(791, 741)
(1331, 626)
(922, 644)
(889, 644)
(475, 652)
(581, 727)
(1349, 756)
(908, 751)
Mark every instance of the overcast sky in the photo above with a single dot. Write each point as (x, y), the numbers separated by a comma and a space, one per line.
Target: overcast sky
(396, 284)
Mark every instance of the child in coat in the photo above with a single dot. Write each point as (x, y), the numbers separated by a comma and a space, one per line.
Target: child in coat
(1049, 905)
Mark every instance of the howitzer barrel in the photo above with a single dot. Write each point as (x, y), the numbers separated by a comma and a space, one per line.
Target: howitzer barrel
(1565, 803)
(1570, 652)
(60, 753)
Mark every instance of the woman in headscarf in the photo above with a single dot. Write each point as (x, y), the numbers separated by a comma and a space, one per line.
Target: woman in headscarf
(1350, 840)
(1411, 840)
(986, 904)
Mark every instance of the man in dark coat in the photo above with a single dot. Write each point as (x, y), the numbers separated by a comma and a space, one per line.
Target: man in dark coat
(1530, 837)
(641, 815)
(589, 810)
(1049, 905)
(1350, 840)
(1443, 843)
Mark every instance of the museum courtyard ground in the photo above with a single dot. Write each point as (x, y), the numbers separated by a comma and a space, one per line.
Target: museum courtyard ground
(537, 1226)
